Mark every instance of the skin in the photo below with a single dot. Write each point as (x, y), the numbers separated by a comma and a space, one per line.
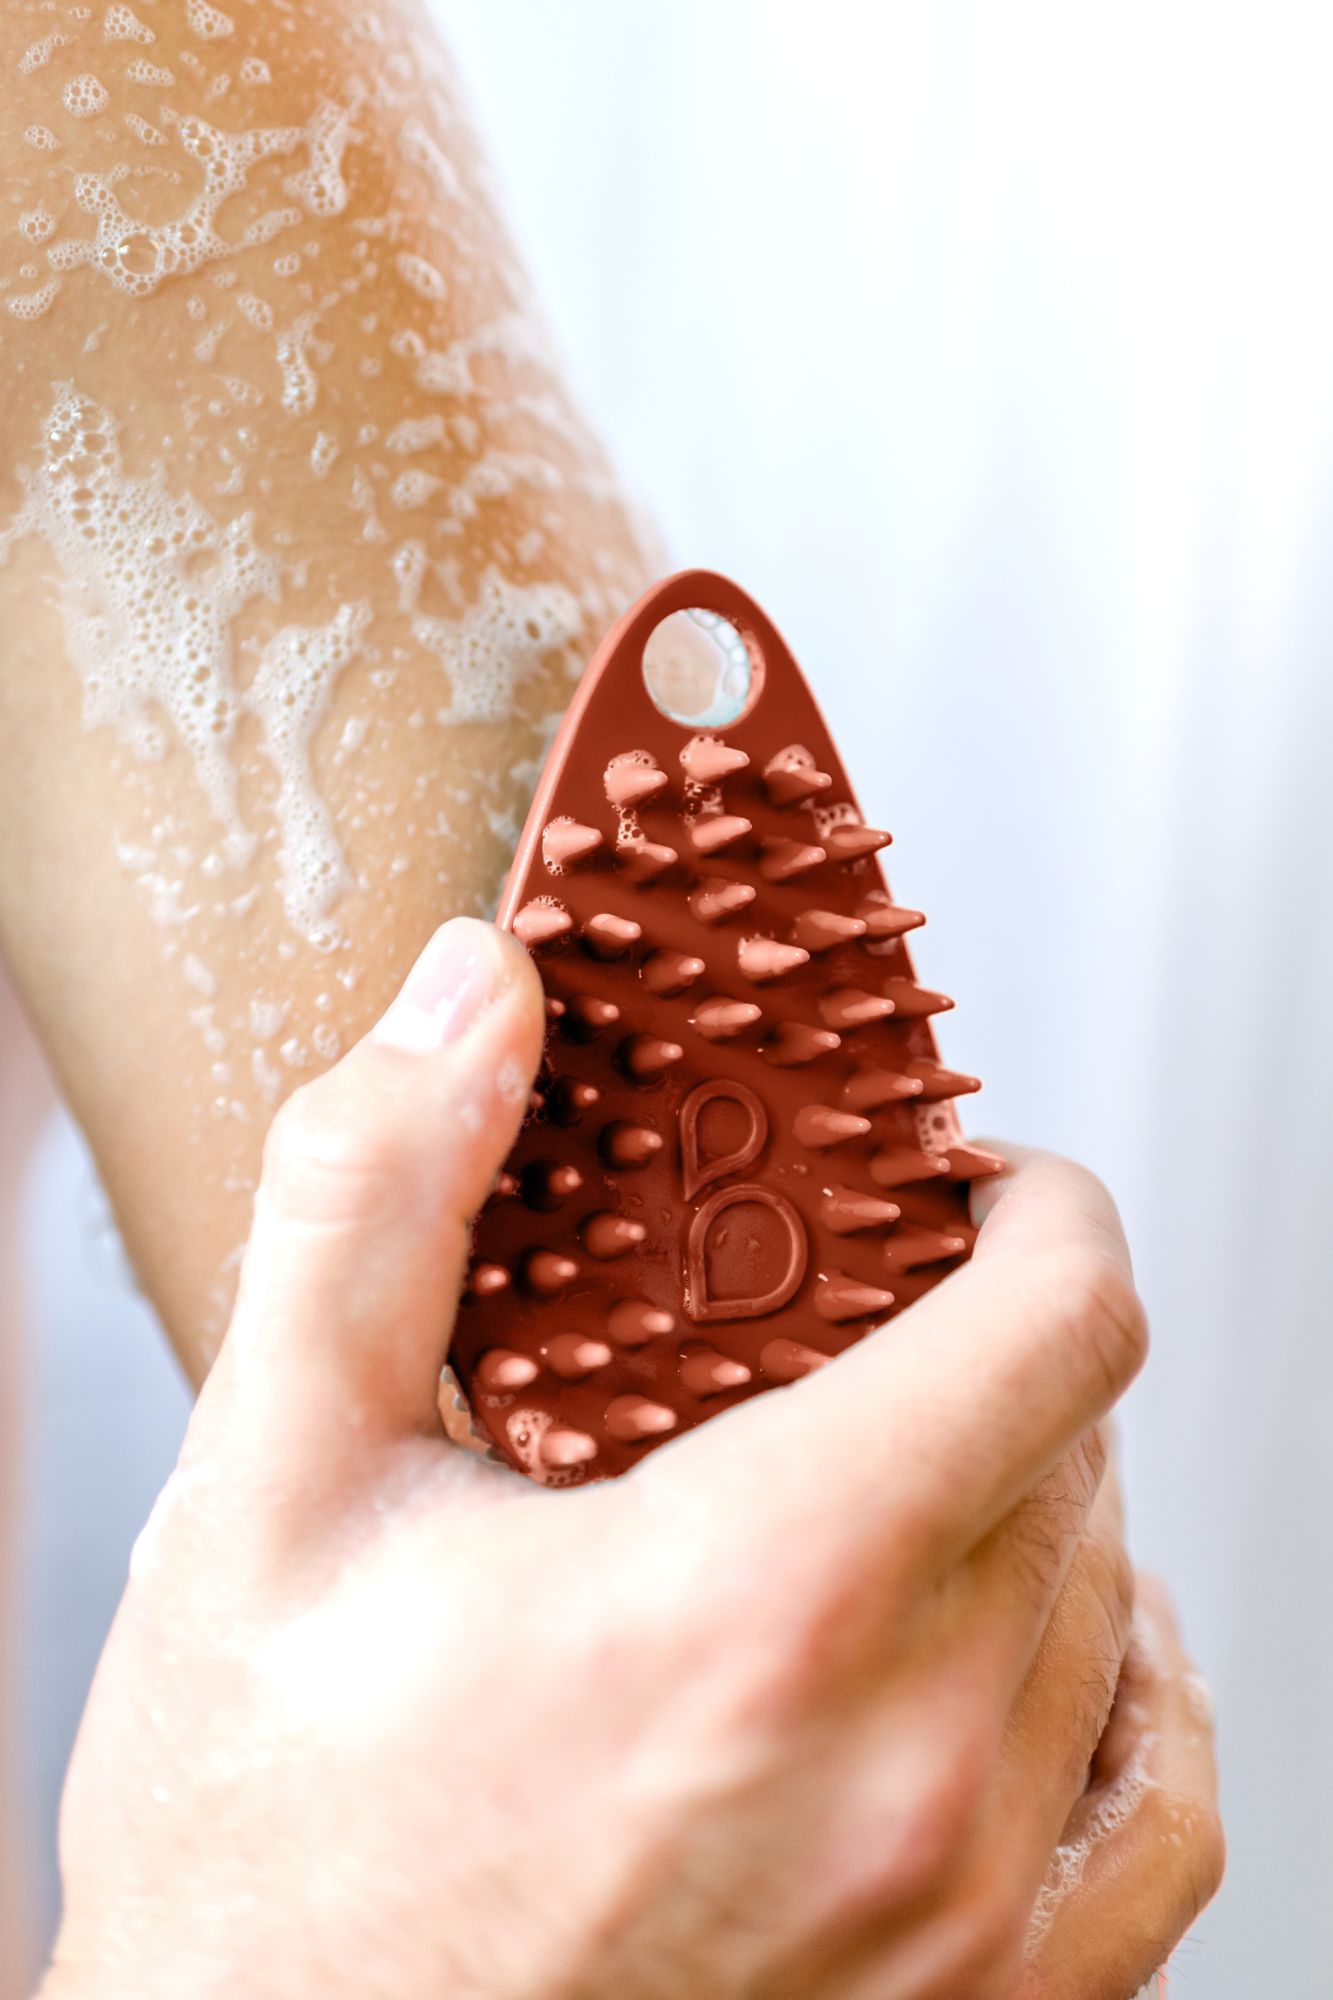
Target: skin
(759, 1718)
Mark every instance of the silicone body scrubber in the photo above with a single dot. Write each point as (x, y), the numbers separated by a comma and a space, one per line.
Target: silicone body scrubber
(743, 1152)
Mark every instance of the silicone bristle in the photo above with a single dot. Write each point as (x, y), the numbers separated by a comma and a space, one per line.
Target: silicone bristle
(635, 1419)
(541, 923)
(626, 1146)
(646, 1057)
(967, 1163)
(911, 1001)
(788, 1360)
(839, 1298)
(669, 972)
(848, 1007)
(644, 861)
(561, 1449)
(790, 779)
(908, 1248)
(794, 1043)
(764, 959)
(719, 1020)
(573, 1356)
(899, 1166)
(704, 1372)
(488, 1279)
(606, 1235)
(872, 1089)
(566, 844)
(884, 920)
(629, 784)
(716, 899)
(546, 1183)
(504, 1185)
(500, 1371)
(546, 1272)
(555, 1007)
(607, 936)
(852, 842)
(781, 860)
(937, 1083)
(633, 1323)
(819, 1126)
(820, 930)
(707, 762)
(846, 1211)
(587, 1015)
(568, 1100)
(711, 833)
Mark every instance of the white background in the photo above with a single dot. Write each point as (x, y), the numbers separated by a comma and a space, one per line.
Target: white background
(991, 347)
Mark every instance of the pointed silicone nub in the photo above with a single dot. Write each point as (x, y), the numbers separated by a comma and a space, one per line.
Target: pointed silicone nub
(884, 919)
(820, 930)
(790, 778)
(568, 1100)
(872, 1089)
(645, 1057)
(909, 1247)
(605, 1235)
(545, 1272)
(625, 1145)
(937, 1082)
(670, 972)
(718, 1020)
(969, 1163)
(716, 899)
(762, 959)
(705, 1372)
(609, 937)
(574, 1355)
(562, 1448)
(488, 1279)
(794, 1043)
(565, 843)
(554, 1007)
(840, 1297)
(707, 762)
(788, 1360)
(633, 1419)
(632, 784)
(852, 842)
(643, 861)
(819, 1125)
(781, 859)
(896, 1166)
(633, 1323)
(846, 1210)
(541, 923)
(911, 1001)
(850, 1008)
(500, 1369)
(586, 1015)
(546, 1184)
(713, 831)
(503, 1186)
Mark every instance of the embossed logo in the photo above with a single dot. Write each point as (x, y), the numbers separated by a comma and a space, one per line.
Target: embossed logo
(724, 1254)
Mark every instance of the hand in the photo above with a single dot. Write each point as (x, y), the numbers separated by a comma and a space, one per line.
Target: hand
(802, 1707)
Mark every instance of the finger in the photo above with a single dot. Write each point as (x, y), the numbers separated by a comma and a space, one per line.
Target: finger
(952, 1412)
(1016, 1584)
(1144, 1851)
(1066, 1698)
(371, 1175)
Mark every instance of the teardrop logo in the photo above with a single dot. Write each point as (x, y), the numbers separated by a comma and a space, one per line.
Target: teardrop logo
(729, 1109)
(742, 1237)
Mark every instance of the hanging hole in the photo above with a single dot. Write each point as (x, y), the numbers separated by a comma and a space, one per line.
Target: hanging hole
(699, 670)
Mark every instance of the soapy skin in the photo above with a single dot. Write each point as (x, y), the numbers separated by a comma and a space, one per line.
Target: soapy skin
(302, 544)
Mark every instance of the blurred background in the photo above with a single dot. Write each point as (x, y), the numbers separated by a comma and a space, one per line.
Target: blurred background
(991, 347)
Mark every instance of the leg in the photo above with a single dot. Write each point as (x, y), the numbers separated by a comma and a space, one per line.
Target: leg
(301, 542)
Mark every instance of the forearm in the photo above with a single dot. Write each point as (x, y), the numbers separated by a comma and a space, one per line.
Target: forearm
(304, 543)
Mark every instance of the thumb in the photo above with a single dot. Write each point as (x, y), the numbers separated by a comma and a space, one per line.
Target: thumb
(371, 1176)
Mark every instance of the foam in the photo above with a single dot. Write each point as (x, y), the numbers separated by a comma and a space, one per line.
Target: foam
(122, 24)
(1068, 1865)
(41, 52)
(497, 642)
(150, 585)
(41, 138)
(209, 23)
(137, 256)
(420, 275)
(84, 97)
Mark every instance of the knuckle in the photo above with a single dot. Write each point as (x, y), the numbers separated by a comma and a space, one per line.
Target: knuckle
(1191, 1844)
(1100, 1313)
(988, 1926)
(327, 1158)
(941, 1816)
